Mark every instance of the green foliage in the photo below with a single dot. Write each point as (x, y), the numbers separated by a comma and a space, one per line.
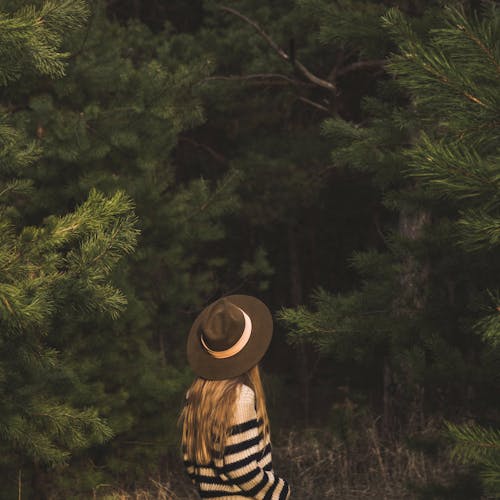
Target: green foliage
(111, 125)
(369, 149)
(436, 158)
(489, 325)
(456, 71)
(215, 136)
(32, 37)
(457, 74)
(357, 29)
(478, 445)
(455, 171)
(45, 261)
(259, 267)
(332, 326)
(59, 268)
(479, 230)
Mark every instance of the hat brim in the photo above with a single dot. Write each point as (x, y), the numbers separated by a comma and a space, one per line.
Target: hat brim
(206, 366)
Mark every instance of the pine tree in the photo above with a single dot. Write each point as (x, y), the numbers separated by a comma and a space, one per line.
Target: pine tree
(57, 269)
(429, 138)
(455, 79)
(263, 115)
(380, 320)
(214, 134)
(113, 123)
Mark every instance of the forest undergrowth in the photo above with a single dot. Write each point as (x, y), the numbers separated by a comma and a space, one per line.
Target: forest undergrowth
(320, 465)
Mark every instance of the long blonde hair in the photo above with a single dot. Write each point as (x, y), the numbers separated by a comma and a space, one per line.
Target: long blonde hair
(207, 414)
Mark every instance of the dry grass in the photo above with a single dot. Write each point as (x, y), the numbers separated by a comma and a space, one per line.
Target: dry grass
(176, 489)
(320, 466)
(157, 490)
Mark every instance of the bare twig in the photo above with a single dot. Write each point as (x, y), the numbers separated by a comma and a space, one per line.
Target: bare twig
(360, 65)
(86, 36)
(320, 82)
(494, 124)
(340, 59)
(216, 156)
(259, 30)
(313, 104)
(261, 77)
(376, 448)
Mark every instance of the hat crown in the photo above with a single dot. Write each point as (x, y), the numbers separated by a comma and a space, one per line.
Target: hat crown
(223, 325)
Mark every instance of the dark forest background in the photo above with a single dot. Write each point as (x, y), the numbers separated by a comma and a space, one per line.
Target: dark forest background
(337, 159)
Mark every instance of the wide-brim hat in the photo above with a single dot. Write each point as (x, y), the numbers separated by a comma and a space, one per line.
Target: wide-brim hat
(230, 336)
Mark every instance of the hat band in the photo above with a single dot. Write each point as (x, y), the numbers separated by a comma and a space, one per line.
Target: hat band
(238, 346)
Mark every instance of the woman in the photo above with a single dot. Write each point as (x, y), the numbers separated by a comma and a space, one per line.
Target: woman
(225, 428)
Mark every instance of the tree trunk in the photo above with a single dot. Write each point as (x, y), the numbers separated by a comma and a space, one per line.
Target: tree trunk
(410, 301)
(38, 484)
(414, 275)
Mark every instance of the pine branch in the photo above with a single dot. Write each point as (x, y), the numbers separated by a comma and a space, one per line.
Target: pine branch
(461, 134)
(430, 59)
(477, 444)
(463, 25)
(455, 170)
(18, 186)
(489, 326)
(34, 35)
(209, 197)
(446, 81)
(479, 230)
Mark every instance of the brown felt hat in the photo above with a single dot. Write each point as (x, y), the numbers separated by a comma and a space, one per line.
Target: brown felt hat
(230, 336)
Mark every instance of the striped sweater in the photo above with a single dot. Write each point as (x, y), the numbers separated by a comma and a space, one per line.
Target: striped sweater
(245, 470)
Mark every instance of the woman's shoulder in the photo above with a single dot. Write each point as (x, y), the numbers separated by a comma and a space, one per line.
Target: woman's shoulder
(245, 402)
(246, 393)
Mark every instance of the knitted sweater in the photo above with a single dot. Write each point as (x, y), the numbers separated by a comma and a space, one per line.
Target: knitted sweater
(245, 470)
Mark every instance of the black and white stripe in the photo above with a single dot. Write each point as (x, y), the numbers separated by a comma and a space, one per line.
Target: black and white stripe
(245, 470)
